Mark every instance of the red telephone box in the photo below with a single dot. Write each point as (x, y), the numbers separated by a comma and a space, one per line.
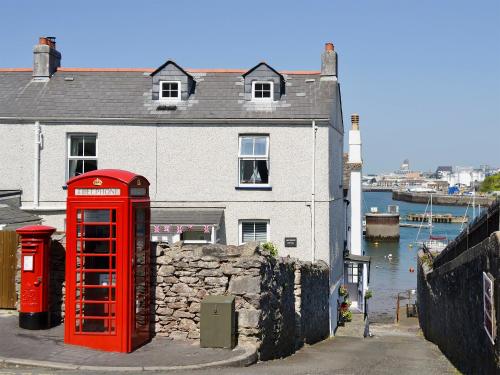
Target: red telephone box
(34, 295)
(108, 261)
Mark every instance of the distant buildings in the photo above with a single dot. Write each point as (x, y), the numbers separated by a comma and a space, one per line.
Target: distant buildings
(444, 177)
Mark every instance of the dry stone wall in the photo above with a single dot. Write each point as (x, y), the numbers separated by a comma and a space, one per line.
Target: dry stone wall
(280, 302)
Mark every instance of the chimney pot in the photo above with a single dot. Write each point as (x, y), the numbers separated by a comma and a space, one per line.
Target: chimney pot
(329, 46)
(48, 41)
(355, 121)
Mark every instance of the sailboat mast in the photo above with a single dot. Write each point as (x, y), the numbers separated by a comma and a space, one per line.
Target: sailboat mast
(430, 219)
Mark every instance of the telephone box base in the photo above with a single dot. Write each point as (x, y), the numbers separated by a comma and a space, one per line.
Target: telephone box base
(36, 320)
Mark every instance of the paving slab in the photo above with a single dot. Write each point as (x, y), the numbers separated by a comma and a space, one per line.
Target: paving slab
(46, 348)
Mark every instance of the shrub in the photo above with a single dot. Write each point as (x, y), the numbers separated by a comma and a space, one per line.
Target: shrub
(272, 248)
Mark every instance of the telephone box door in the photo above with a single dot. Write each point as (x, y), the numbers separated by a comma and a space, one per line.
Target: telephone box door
(140, 273)
(97, 280)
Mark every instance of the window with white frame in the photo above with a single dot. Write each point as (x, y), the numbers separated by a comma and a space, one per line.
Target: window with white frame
(262, 90)
(353, 273)
(170, 90)
(254, 160)
(254, 230)
(82, 153)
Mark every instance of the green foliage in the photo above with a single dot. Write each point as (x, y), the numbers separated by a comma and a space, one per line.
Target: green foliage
(343, 291)
(490, 183)
(346, 315)
(368, 294)
(427, 260)
(272, 248)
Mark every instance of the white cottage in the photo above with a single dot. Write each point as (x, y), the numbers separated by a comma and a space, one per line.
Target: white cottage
(232, 155)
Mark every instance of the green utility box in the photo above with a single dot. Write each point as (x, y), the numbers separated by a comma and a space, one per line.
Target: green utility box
(217, 322)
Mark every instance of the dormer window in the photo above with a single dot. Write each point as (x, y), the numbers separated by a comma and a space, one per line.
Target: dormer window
(170, 90)
(262, 90)
(263, 84)
(171, 83)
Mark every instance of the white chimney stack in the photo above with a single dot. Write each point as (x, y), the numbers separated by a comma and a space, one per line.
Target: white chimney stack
(355, 162)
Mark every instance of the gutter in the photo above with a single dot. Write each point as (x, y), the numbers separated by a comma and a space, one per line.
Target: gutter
(160, 121)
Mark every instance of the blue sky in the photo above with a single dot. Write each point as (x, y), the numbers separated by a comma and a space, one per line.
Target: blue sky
(423, 75)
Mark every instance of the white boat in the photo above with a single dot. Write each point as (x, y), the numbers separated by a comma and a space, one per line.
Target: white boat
(435, 244)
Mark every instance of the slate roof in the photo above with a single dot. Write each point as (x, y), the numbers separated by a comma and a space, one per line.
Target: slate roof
(13, 216)
(120, 93)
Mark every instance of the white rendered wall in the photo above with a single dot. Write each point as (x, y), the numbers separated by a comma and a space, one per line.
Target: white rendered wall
(191, 166)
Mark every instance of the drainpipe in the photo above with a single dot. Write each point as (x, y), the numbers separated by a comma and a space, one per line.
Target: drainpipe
(313, 193)
(36, 179)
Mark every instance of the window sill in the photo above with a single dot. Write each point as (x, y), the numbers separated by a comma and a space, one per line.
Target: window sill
(254, 187)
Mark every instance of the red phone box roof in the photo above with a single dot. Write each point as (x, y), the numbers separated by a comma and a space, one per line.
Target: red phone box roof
(102, 179)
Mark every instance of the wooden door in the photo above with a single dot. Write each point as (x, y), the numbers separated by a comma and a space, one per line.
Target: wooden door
(8, 262)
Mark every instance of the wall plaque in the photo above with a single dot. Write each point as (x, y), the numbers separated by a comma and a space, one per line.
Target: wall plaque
(290, 241)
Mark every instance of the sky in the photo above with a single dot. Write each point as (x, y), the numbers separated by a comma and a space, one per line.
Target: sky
(424, 75)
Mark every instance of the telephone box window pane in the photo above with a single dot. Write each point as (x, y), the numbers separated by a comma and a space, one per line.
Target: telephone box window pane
(97, 231)
(96, 294)
(96, 247)
(113, 216)
(97, 216)
(95, 309)
(96, 263)
(78, 325)
(99, 278)
(94, 325)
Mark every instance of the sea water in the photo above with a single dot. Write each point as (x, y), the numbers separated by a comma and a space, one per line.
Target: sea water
(391, 275)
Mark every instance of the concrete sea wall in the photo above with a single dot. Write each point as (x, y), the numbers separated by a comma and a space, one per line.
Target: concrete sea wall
(440, 199)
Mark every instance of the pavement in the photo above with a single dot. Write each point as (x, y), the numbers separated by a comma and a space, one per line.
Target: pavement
(392, 349)
(46, 348)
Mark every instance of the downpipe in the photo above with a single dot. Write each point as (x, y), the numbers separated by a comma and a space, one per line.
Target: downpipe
(36, 179)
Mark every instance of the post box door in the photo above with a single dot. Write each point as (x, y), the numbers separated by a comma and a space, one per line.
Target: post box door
(32, 298)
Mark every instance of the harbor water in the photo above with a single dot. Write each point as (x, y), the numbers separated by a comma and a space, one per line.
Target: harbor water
(391, 274)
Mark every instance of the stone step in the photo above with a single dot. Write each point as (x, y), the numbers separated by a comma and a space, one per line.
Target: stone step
(354, 328)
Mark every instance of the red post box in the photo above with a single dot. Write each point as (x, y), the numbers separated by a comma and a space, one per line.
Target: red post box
(108, 274)
(34, 296)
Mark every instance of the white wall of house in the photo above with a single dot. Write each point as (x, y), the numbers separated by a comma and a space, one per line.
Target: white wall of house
(196, 166)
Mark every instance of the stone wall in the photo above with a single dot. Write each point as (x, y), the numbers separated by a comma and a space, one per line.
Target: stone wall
(280, 302)
(450, 305)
